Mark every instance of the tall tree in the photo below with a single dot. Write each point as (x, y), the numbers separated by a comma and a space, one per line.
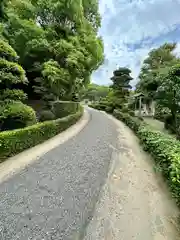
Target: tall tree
(121, 85)
(168, 93)
(62, 31)
(158, 60)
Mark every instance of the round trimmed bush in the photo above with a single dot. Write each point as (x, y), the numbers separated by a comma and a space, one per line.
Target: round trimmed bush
(46, 115)
(16, 115)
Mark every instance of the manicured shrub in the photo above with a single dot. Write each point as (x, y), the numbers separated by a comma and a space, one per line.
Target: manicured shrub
(132, 122)
(7, 52)
(13, 142)
(109, 109)
(103, 106)
(12, 94)
(64, 108)
(14, 115)
(46, 115)
(11, 74)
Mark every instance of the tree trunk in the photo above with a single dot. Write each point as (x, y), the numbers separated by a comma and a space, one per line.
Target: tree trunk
(175, 123)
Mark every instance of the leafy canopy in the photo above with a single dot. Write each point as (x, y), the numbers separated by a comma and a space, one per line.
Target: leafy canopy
(157, 62)
(61, 31)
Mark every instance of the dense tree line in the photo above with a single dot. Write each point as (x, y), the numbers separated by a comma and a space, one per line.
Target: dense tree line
(48, 51)
(56, 42)
(159, 79)
(94, 92)
(118, 93)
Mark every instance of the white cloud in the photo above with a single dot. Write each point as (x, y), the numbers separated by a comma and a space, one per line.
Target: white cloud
(129, 22)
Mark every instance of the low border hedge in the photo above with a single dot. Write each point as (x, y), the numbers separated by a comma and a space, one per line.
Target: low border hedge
(164, 148)
(14, 142)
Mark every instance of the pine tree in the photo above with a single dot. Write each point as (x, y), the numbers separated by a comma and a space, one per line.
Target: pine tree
(121, 85)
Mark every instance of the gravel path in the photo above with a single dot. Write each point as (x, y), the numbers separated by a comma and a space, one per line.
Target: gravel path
(99, 185)
(54, 197)
(135, 203)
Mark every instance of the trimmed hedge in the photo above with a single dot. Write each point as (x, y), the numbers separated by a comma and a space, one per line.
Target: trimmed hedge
(164, 148)
(64, 108)
(13, 142)
(133, 122)
(46, 115)
(166, 153)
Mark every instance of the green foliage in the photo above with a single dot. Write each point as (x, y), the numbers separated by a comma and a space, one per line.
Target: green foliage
(14, 95)
(165, 150)
(15, 115)
(13, 142)
(63, 108)
(121, 79)
(109, 109)
(7, 52)
(24, 9)
(3, 16)
(161, 112)
(94, 92)
(170, 125)
(158, 61)
(121, 86)
(56, 79)
(101, 105)
(91, 12)
(133, 122)
(11, 74)
(169, 90)
(24, 33)
(46, 115)
(55, 32)
(168, 93)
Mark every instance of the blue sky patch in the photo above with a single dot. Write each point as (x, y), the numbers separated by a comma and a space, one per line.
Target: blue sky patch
(131, 28)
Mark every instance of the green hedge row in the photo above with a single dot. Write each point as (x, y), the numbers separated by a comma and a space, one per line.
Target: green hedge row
(64, 108)
(164, 149)
(13, 142)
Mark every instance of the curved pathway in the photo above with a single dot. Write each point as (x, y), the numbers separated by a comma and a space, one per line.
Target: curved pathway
(54, 197)
(102, 175)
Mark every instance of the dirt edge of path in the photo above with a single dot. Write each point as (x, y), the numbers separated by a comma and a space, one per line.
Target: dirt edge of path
(135, 202)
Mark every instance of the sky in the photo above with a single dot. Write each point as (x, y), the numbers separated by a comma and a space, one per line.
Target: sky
(131, 28)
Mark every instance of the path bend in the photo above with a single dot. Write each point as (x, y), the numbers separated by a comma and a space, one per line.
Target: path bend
(98, 185)
(55, 196)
